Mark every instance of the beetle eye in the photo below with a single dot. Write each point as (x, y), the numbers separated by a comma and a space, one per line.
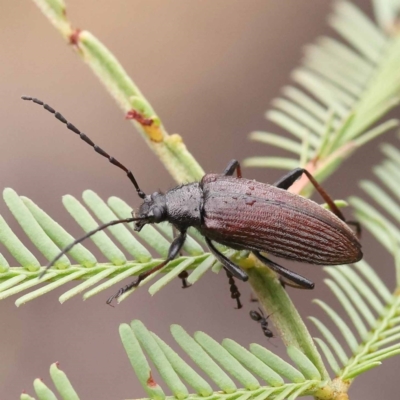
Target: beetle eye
(157, 214)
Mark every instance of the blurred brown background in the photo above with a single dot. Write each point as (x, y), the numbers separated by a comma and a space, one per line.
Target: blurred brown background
(210, 69)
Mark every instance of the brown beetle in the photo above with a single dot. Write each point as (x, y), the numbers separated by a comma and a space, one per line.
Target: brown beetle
(244, 215)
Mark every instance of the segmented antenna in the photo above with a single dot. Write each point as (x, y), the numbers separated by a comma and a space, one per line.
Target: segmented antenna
(84, 237)
(86, 139)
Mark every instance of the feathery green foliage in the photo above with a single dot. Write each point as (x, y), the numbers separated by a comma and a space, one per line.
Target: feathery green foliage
(344, 89)
(49, 237)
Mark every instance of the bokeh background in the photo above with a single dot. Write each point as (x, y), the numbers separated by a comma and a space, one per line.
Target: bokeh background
(210, 69)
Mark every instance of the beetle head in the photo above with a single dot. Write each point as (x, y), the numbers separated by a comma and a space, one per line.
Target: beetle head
(153, 210)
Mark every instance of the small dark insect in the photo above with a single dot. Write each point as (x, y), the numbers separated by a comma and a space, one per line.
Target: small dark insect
(260, 317)
(242, 214)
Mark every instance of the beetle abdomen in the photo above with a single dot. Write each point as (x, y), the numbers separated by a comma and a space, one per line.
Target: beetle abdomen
(257, 216)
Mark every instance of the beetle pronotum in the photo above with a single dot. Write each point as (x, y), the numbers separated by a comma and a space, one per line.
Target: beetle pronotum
(242, 214)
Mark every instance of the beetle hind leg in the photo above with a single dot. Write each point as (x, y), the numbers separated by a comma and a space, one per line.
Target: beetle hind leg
(357, 227)
(287, 181)
(289, 278)
(233, 166)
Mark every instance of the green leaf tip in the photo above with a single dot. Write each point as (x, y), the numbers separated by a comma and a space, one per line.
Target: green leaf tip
(120, 232)
(26, 396)
(277, 364)
(59, 235)
(149, 344)
(139, 363)
(184, 370)
(304, 364)
(42, 391)
(16, 248)
(62, 383)
(227, 361)
(253, 363)
(202, 359)
(88, 223)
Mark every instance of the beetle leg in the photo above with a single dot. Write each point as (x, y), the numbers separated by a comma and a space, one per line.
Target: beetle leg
(288, 180)
(231, 267)
(357, 227)
(173, 251)
(285, 282)
(288, 275)
(232, 270)
(233, 166)
(183, 277)
(184, 274)
(235, 294)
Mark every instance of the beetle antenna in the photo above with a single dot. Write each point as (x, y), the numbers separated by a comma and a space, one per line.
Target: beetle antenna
(81, 239)
(86, 139)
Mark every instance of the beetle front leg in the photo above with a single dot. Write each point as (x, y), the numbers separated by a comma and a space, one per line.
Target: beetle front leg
(297, 280)
(233, 166)
(184, 274)
(173, 251)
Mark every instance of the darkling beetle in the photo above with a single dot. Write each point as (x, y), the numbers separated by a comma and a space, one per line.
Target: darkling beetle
(241, 214)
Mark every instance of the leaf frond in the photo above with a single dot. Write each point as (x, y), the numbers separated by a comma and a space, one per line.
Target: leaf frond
(372, 308)
(261, 374)
(128, 253)
(343, 90)
(219, 363)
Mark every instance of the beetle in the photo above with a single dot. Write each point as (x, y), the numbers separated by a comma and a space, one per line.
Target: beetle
(242, 214)
(259, 316)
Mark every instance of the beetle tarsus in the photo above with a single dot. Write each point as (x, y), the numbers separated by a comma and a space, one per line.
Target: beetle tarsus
(235, 294)
(173, 251)
(124, 289)
(290, 278)
(183, 276)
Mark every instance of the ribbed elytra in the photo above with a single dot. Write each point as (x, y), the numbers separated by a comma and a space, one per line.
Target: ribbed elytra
(242, 214)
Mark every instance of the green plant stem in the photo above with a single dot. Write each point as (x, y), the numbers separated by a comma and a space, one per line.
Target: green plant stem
(274, 298)
(169, 148)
